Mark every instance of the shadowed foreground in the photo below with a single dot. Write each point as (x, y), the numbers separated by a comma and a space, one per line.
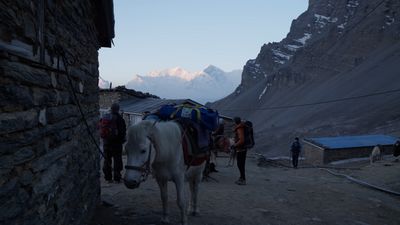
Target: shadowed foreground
(272, 196)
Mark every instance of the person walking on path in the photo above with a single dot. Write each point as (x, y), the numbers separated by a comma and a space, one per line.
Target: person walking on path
(113, 132)
(396, 148)
(295, 151)
(240, 149)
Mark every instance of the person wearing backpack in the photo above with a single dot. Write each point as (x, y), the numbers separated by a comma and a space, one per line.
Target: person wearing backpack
(112, 131)
(295, 152)
(241, 150)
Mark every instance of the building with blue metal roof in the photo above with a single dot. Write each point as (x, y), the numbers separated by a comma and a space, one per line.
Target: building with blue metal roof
(322, 150)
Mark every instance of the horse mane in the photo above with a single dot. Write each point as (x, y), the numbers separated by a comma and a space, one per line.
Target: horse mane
(140, 130)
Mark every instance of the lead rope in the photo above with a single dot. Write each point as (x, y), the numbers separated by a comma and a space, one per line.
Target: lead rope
(61, 52)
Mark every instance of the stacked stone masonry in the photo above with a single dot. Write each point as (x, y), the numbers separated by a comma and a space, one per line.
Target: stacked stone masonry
(49, 167)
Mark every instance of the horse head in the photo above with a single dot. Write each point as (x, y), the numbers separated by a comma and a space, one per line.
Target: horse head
(140, 154)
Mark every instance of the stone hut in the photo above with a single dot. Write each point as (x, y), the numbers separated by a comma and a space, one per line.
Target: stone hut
(324, 150)
(49, 162)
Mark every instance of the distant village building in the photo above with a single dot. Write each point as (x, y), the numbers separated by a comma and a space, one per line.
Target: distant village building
(49, 164)
(118, 94)
(328, 149)
(133, 109)
(134, 103)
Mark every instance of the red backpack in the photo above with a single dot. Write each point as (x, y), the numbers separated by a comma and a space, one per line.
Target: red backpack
(108, 127)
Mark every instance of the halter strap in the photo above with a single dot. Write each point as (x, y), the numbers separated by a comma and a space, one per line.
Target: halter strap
(145, 168)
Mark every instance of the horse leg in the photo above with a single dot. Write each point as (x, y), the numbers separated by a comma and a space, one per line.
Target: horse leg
(231, 158)
(213, 158)
(190, 209)
(180, 200)
(164, 198)
(194, 190)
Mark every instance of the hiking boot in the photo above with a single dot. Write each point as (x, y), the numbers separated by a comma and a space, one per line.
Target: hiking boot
(240, 182)
(214, 170)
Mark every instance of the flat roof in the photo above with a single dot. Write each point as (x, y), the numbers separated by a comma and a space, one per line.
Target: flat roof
(352, 141)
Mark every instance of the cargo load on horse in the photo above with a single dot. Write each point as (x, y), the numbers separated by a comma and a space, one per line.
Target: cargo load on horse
(206, 117)
(197, 122)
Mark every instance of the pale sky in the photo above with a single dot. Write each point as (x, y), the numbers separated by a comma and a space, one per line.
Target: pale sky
(159, 34)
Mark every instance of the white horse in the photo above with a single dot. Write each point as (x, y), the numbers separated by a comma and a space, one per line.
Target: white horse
(376, 154)
(156, 147)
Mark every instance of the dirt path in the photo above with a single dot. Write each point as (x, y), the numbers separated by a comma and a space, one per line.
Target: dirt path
(272, 196)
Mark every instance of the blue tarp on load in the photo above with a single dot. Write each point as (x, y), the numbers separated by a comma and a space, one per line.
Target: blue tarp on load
(206, 117)
(352, 141)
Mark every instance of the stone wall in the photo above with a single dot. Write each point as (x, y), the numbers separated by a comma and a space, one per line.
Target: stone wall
(313, 154)
(107, 98)
(49, 166)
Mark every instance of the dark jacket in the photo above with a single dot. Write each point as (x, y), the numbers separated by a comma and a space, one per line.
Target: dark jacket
(296, 147)
(396, 149)
(121, 127)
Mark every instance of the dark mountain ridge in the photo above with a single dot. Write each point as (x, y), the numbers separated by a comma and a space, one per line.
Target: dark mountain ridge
(337, 49)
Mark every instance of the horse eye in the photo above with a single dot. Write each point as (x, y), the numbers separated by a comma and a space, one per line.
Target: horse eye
(143, 151)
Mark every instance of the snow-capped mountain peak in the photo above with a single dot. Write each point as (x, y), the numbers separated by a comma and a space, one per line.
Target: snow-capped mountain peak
(174, 72)
(137, 78)
(103, 84)
(211, 69)
(210, 84)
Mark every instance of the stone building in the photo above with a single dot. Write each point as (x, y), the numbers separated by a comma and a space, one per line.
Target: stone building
(49, 163)
(329, 149)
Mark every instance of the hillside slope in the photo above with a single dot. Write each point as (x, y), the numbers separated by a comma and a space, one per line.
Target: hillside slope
(335, 50)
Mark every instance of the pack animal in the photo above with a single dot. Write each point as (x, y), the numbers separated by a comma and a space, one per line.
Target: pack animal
(224, 145)
(376, 154)
(157, 147)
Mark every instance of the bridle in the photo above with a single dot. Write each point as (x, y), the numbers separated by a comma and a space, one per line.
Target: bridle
(145, 168)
